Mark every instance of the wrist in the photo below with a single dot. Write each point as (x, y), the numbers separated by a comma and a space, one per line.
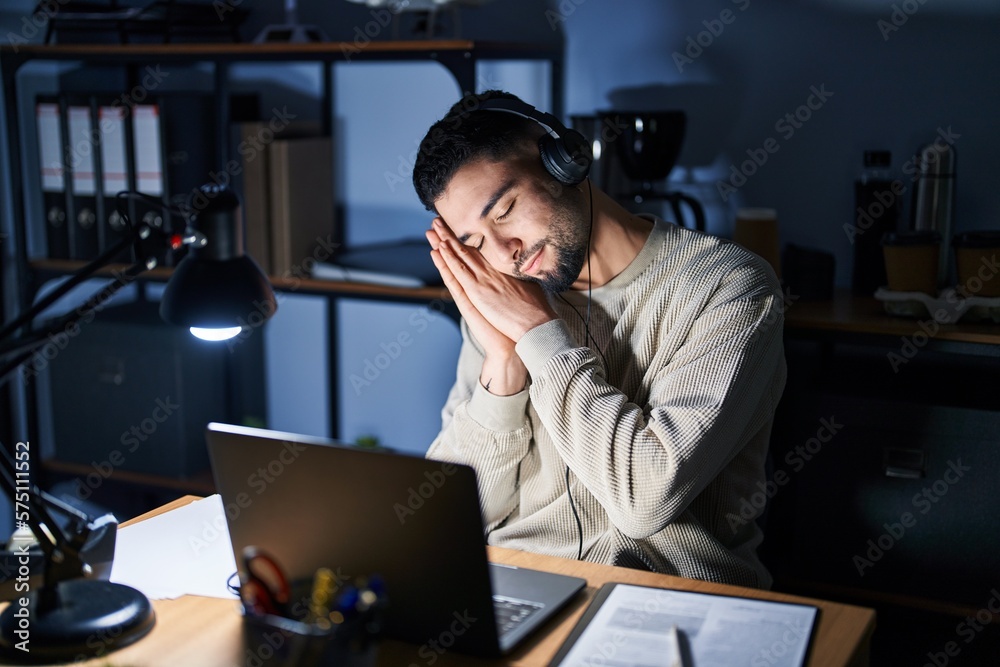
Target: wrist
(529, 324)
(503, 376)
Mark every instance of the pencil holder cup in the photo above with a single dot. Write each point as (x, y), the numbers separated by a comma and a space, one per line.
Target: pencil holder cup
(271, 640)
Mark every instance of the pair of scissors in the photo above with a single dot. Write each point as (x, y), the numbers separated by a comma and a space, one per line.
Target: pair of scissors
(263, 588)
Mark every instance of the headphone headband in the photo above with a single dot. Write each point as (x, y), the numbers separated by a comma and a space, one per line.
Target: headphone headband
(565, 153)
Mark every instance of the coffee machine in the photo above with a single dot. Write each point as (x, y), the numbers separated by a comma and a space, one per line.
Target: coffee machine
(634, 153)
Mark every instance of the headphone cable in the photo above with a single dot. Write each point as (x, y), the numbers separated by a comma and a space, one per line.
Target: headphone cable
(586, 326)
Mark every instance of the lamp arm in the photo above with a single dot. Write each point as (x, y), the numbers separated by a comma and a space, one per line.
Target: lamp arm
(135, 234)
(120, 280)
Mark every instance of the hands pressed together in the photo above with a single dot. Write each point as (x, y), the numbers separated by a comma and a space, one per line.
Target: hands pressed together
(498, 309)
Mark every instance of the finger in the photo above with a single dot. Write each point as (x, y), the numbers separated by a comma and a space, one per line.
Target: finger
(469, 256)
(433, 238)
(443, 230)
(458, 293)
(450, 269)
(459, 263)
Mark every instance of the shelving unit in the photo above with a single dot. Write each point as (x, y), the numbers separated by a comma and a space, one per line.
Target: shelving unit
(459, 57)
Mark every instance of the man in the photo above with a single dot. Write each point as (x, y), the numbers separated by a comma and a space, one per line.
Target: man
(618, 375)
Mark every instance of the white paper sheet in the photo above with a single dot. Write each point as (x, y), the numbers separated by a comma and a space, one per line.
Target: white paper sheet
(632, 628)
(183, 552)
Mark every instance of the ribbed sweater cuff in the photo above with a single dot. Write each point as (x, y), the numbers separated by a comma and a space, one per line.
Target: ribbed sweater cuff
(545, 341)
(500, 414)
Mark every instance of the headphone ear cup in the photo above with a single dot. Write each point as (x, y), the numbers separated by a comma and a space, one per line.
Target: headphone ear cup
(568, 158)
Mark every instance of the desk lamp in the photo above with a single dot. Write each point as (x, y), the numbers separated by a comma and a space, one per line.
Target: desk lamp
(215, 287)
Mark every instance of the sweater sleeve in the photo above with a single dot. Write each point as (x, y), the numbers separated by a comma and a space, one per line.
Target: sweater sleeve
(715, 389)
(488, 432)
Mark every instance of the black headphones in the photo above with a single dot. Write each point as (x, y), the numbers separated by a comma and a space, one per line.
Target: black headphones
(566, 154)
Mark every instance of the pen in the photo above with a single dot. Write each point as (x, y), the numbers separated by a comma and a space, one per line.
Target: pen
(677, 659)
(324, 586)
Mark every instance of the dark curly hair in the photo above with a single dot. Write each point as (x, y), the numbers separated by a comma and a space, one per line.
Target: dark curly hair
(465, 134)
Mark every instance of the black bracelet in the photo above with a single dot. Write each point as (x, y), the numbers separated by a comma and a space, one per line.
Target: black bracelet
(488, 382)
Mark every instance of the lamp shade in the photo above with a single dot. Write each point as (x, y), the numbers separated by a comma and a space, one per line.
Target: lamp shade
(217, 285)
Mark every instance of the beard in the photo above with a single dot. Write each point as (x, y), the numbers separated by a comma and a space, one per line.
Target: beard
(569, 238)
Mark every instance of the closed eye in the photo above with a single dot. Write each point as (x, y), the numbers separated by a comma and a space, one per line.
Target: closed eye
(507, 212)
(475, 241)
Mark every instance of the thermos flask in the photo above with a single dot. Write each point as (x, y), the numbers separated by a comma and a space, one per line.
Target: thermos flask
(934, 199)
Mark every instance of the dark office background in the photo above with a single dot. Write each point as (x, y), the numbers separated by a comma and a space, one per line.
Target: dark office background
(895, 84)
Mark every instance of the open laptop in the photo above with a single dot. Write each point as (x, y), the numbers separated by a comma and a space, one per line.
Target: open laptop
(311, 502)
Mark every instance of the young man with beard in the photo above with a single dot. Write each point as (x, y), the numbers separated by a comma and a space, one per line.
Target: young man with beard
(618, 375)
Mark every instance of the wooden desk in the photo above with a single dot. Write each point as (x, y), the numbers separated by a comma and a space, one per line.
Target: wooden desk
(206, 632)
(849, 314)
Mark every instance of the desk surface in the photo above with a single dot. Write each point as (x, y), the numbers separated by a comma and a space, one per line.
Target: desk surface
(866, 315)
(205, 632)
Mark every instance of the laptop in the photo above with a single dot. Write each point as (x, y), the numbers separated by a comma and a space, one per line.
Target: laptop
(312, 502)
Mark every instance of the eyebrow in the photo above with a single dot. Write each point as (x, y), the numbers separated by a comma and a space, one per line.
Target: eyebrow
(500, 192)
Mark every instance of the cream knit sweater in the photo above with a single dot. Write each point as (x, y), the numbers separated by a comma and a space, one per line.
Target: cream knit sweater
(663, 419)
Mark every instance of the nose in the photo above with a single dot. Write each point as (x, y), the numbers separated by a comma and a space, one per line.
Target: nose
(506, 250)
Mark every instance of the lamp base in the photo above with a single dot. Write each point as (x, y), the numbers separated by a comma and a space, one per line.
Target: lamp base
(92, 618)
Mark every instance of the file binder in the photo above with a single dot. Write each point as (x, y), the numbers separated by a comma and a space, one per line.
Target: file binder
(53, 177)
(189, 142)
(84, 242)
(146, 175)
(113, 170)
